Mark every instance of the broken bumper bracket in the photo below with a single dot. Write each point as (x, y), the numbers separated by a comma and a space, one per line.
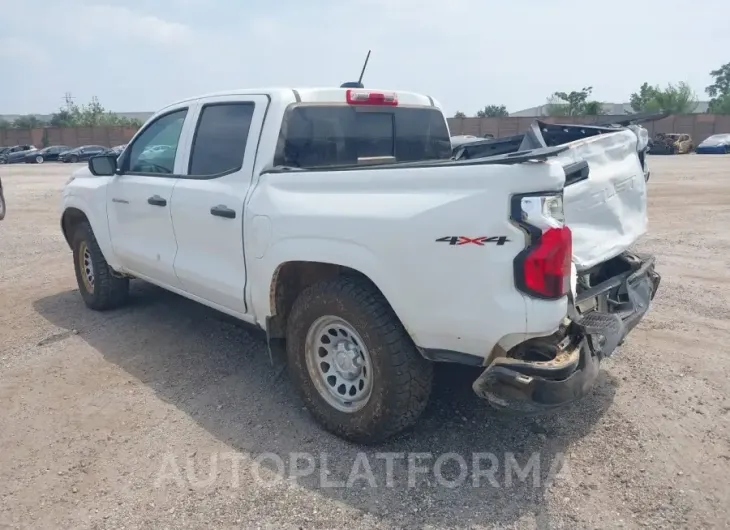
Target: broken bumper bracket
(528, 387)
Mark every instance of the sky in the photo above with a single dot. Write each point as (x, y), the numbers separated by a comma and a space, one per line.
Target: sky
(137, 55)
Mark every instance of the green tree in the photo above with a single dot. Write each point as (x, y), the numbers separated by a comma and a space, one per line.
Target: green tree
(720, 105)
(645, 98)
(5, 124)
(575, 103)
(459, 114)
(675, 99)
(92, 114)
(719, 91)
(493, 111)
(28, 122)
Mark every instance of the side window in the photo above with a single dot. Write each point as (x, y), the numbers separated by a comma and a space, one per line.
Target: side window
(153, 151)
(220, 139)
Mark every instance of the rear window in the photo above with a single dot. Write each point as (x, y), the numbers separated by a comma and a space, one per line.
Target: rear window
(314, 136)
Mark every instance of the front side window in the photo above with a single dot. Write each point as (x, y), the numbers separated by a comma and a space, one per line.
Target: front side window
(154, 150)
(340, 135)
(220, 139)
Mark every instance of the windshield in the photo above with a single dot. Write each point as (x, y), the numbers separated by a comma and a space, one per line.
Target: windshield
(717, 139)
(341, 135)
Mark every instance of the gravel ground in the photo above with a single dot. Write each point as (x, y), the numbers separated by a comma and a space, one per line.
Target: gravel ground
(157, 415)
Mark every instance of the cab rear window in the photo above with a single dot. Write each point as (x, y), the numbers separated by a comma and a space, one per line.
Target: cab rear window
(316, 136)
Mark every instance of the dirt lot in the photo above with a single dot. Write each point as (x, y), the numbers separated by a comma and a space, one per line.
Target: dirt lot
(98, 412)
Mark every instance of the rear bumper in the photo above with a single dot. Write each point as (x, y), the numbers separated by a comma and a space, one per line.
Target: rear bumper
(532, 386)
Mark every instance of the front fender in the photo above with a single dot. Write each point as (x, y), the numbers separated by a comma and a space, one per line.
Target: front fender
(92, 203)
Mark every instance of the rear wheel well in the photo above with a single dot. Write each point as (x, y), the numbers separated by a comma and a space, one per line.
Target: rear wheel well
(70, 220)
(291, 278)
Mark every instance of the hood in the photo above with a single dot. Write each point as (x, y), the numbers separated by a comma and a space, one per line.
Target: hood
(82, 172)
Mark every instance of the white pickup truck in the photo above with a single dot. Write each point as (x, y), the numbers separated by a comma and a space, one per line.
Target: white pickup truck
(341, 223)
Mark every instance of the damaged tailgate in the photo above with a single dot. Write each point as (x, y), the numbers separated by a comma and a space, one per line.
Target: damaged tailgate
(605, 205)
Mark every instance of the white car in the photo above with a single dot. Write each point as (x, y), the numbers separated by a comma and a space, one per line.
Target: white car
(337, 221)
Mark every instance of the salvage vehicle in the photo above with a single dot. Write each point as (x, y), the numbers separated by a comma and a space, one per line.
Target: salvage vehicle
(339, 222)
(671, 144)
(717, 144)
(15, 154)
(46, 154)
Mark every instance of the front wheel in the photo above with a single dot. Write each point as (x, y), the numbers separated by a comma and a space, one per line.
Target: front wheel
(355, 366)
(74, 159)
(100, 287)
(39, 159)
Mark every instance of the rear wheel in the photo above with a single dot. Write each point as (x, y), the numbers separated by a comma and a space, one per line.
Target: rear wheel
(355, 366)
(100, 287)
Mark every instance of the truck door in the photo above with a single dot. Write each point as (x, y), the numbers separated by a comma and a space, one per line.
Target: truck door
(208, 202)
(138, 199)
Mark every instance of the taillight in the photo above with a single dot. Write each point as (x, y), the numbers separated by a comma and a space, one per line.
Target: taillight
(542, 269)
(367, 97)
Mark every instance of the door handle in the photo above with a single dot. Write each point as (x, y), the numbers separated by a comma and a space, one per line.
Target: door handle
(156, 200)
(223, 211)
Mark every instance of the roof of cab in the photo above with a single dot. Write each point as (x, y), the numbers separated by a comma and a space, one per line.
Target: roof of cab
(318, 95)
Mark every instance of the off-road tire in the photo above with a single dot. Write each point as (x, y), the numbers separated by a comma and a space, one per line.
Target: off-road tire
(109, 290)
(402, 378)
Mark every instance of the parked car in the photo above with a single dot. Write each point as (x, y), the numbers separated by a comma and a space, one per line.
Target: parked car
(46, 154)
(302, 201)
(116, 150)
(670, 144)
(15, 154)
(81, 153)
(2, 201)
(715, 144)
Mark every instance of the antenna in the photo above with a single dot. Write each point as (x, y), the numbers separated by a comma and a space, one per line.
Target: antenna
(358, 83)
(362, 72)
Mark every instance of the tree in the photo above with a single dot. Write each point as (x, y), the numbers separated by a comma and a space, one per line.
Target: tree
(28, 122)
(675, 99)
(719, 91)
(459, 114)
(575, 103)
(5, 124)
(92, 114)
(645, 98)
(720, 105)
(493, 111)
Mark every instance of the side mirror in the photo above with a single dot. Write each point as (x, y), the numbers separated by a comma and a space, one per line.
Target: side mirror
(103, 165)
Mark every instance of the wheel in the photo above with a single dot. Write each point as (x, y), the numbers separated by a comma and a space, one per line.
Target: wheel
(39, 159)
(3, 161)
(99, 285)
(2, 205)
(352, 361)
(73, 159)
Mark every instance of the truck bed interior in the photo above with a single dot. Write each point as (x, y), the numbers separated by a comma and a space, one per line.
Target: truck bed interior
(539, 135)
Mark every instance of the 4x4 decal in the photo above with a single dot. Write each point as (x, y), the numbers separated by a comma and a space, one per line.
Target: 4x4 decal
(481, 240)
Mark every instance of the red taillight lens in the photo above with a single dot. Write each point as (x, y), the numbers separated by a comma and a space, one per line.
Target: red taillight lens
(366, 97)
(546, 268)
(543, 269)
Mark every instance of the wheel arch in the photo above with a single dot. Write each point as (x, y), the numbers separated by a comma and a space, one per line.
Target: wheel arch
(292, 277)
(75, 212)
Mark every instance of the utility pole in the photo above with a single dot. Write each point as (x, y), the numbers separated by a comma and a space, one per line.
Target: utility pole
(69, 99)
